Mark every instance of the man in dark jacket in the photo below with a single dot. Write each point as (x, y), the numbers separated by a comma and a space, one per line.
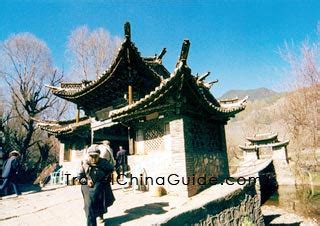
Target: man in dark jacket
(121, 164)
(10, 173)
(95, 185)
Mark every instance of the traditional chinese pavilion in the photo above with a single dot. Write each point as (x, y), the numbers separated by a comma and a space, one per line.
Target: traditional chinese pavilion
(268, 146)
(264, 146)
(170, 123)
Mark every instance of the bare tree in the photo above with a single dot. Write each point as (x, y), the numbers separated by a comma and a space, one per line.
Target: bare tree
(302, 107)
(26, 68)
(91, 52)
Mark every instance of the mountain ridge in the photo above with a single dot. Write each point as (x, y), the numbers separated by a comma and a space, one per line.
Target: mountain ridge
(254, 94)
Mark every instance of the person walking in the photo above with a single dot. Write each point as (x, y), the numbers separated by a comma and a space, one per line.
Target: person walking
(121, 164)
(106, 152)
(95, 185)
(10, 173)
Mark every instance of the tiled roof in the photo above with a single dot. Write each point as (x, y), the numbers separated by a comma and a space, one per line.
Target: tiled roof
(263, 137)
(255, 147)
(75, 90)
(174, 81)
(159, 91)
(157, 83)
(63, 127)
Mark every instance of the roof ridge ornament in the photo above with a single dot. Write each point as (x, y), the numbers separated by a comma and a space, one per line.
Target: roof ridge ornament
(184, 51)
(127, 31)
(204, 76)
(163, 52)
(213, 82)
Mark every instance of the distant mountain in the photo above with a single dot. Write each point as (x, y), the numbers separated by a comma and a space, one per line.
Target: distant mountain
(254, 94)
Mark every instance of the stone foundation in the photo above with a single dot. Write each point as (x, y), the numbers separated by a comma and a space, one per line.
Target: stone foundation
(234, 206)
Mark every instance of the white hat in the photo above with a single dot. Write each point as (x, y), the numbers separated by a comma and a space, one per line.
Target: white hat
(93, 150)
(14, 152)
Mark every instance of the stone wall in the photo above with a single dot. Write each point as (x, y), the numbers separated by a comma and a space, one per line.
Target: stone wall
(285, 175)
(239, 206)
(178, 154)
(169, 159)
(205, 151)
(284, 172)
(75, 154)
(186, 147)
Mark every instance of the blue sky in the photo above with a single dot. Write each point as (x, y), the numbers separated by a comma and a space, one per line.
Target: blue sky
(237, 41)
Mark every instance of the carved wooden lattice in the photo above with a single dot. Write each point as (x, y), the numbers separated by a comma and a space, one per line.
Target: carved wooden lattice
(153, 137)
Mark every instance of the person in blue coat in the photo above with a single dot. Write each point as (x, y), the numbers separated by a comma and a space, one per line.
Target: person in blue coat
(10, 173)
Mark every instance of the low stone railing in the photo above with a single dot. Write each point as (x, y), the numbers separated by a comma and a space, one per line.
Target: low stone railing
(218, 205)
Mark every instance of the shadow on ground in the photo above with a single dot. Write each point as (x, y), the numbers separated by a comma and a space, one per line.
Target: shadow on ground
(29, 187)
(269, 218)
(22, 188)
(137, 212)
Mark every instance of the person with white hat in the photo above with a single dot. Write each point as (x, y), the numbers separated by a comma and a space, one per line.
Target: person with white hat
(10, 173)
(95, 185)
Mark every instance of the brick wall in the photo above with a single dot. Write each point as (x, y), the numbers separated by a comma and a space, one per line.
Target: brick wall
(205, 152)
(178, 154)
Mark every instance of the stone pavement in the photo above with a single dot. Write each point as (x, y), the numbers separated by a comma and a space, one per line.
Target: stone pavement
(64, 207)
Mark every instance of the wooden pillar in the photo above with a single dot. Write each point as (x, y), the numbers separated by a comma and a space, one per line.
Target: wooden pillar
(92, 136)
(131, 140)
(130, 99)
(61, 152)
(78, 115)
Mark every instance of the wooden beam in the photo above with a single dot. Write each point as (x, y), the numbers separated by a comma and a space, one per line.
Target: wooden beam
(131, 140)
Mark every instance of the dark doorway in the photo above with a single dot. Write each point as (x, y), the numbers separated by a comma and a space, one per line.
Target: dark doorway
(116, 134)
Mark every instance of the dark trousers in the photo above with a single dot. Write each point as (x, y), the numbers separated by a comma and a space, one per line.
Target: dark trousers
(6, 184)
(94, 203)
(121, 169)
(88, 198)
